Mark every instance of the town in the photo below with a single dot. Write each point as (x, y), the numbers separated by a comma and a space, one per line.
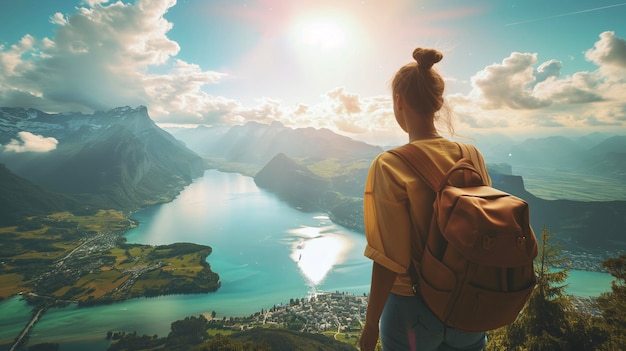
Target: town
(589, 261)
(340, 315)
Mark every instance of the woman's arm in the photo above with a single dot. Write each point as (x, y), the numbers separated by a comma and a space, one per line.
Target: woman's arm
(382, 281)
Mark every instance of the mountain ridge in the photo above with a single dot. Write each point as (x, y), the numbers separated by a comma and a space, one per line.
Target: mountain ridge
(258, 143)
(310, 168)
(592, 225)
(341, 196)
(117, 159)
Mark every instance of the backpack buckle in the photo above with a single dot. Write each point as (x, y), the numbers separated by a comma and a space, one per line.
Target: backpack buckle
(488, 242)
(521, 242)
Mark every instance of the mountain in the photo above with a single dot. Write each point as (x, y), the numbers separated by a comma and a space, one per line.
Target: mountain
(595, 225)
(120, 155)
(555, 151)
(258, 143)
(293, 182)
(301, 175)
(20, 198)
(596, 154)
(609, 157)
(296, 184)
(578, 225)
(203, 140)
(123, 159)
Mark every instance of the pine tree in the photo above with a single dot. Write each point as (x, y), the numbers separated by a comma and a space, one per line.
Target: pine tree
(613, 304)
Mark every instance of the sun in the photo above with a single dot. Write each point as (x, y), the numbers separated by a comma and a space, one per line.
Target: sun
(322, 45)
(323, 34)
(323, 31)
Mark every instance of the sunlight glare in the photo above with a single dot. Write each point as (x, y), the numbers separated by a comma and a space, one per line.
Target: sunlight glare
(324, 35)
(316, 251)
(322, 44)
(323, 32)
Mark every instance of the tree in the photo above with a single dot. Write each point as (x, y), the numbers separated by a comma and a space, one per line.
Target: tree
(190, 331)
(223, 343)
(612, 304)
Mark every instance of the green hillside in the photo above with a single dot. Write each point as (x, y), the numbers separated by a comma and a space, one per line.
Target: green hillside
(20, 198)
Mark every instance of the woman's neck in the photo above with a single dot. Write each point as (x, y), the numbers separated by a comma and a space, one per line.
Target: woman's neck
(419, 126)
(425, 132)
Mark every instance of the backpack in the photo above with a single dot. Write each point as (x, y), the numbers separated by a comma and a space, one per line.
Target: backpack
(476, 272)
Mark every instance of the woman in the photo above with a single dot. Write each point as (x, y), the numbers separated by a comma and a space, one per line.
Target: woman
(397, 204)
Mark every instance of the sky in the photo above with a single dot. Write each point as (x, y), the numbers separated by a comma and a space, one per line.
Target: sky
(519, 68)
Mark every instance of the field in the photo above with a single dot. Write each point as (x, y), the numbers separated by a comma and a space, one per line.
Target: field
(85, 259)
(557, 184)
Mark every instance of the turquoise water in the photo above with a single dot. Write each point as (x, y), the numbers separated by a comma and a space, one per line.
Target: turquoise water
(264, 251)
(588, 284)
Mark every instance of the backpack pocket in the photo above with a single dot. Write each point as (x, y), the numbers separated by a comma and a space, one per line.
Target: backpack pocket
(478, 309)
(436, 283)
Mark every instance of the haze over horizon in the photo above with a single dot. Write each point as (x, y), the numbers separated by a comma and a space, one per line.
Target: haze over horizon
(519, 68)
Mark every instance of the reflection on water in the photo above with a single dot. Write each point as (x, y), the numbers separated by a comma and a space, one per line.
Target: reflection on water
(316, 250)
(265, 252)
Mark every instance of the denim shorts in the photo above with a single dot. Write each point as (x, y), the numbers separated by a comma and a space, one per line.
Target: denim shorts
(407, 324)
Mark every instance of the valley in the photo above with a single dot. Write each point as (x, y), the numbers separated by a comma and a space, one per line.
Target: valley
(58, 246)
(559, 184)
(62, 258)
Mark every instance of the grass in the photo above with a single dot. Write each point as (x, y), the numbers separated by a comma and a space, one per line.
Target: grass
(152, 282)
(330, 168)
(48, 256)
(11, 284)
(7, 229)
(103, 220)
(31, 234)
(189, 264)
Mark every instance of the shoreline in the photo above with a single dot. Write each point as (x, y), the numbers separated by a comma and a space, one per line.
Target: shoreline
(580, 302)
(177, 296)
(582, 298)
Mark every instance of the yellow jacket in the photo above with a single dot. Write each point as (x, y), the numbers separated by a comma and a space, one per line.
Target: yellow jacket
(397, 204)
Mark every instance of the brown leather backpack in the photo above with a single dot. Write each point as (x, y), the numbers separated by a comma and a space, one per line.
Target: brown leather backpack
(476, 272)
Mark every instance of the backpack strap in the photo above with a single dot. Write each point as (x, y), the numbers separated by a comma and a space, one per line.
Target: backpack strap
(432, 175)
(470, 152)
(412, 155)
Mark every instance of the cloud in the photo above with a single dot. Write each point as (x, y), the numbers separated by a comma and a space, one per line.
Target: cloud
(513, 94)
(108, 54)
(506, 85)
(551, 68)
(609, 53)
(31, 143)
(609, 50)
(104, 56)
(266, 111)
(344, 101)
(593, 121)
(369, 119)
(579, 88)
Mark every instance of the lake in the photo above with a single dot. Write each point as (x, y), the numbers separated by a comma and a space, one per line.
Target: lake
(264, 251)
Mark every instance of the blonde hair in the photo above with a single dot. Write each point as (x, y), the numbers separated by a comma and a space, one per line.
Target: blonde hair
(422, 87)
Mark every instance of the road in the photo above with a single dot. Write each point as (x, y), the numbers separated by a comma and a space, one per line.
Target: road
(27, 329)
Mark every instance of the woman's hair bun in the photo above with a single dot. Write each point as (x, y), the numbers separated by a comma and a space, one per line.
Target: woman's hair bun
(426, 58)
